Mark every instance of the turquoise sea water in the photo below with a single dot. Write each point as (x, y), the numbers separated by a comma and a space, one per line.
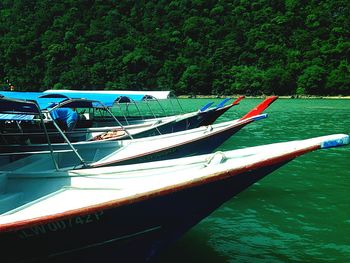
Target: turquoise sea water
(300, 213)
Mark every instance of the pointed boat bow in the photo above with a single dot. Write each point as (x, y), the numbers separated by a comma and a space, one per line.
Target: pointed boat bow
(260, 108)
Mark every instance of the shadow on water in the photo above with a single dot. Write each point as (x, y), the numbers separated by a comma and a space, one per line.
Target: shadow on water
(194, 248)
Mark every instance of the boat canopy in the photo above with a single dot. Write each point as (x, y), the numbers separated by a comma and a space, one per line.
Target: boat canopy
(43, 103)
(16, 110)
(106, 99)
(13, 106)
(113, 94)
(77, 103)
(20, 95)
(134, 95)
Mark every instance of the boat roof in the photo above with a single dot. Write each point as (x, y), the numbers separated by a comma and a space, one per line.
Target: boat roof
(19, 110)
(21, 95)
(48, 100)
(108, 98)
(112, 95)
(13, 106)
(77, 103)
(10, 107)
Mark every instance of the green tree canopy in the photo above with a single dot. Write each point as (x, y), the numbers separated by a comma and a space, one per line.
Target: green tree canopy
(200, 47)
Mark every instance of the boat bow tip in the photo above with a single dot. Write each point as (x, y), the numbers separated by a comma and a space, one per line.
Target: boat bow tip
(260, 117)
(335, 141)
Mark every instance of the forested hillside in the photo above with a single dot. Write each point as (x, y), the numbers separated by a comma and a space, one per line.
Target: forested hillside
(191, 47)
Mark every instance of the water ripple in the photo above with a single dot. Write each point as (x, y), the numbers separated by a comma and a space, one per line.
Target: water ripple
(299, 213)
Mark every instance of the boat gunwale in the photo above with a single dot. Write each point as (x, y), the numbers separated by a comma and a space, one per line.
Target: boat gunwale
(212, 177)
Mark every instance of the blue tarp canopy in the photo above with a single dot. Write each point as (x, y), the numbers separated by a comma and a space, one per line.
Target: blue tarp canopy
(112, 95)
(50, 100)
(46, 100)
(43, 103)
(27, 105)
(21, 95)
(106, 99)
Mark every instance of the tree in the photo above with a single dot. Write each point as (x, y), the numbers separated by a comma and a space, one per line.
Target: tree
(338, 80)
(204, 47)
(312, 80)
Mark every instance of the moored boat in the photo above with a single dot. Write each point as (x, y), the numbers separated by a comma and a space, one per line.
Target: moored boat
(115, 151)
(96, 119)
(129, 213)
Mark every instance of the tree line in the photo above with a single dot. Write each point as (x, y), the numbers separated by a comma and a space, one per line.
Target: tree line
(217, 47)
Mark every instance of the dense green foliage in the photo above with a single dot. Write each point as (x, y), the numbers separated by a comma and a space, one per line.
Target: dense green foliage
(191, 47)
